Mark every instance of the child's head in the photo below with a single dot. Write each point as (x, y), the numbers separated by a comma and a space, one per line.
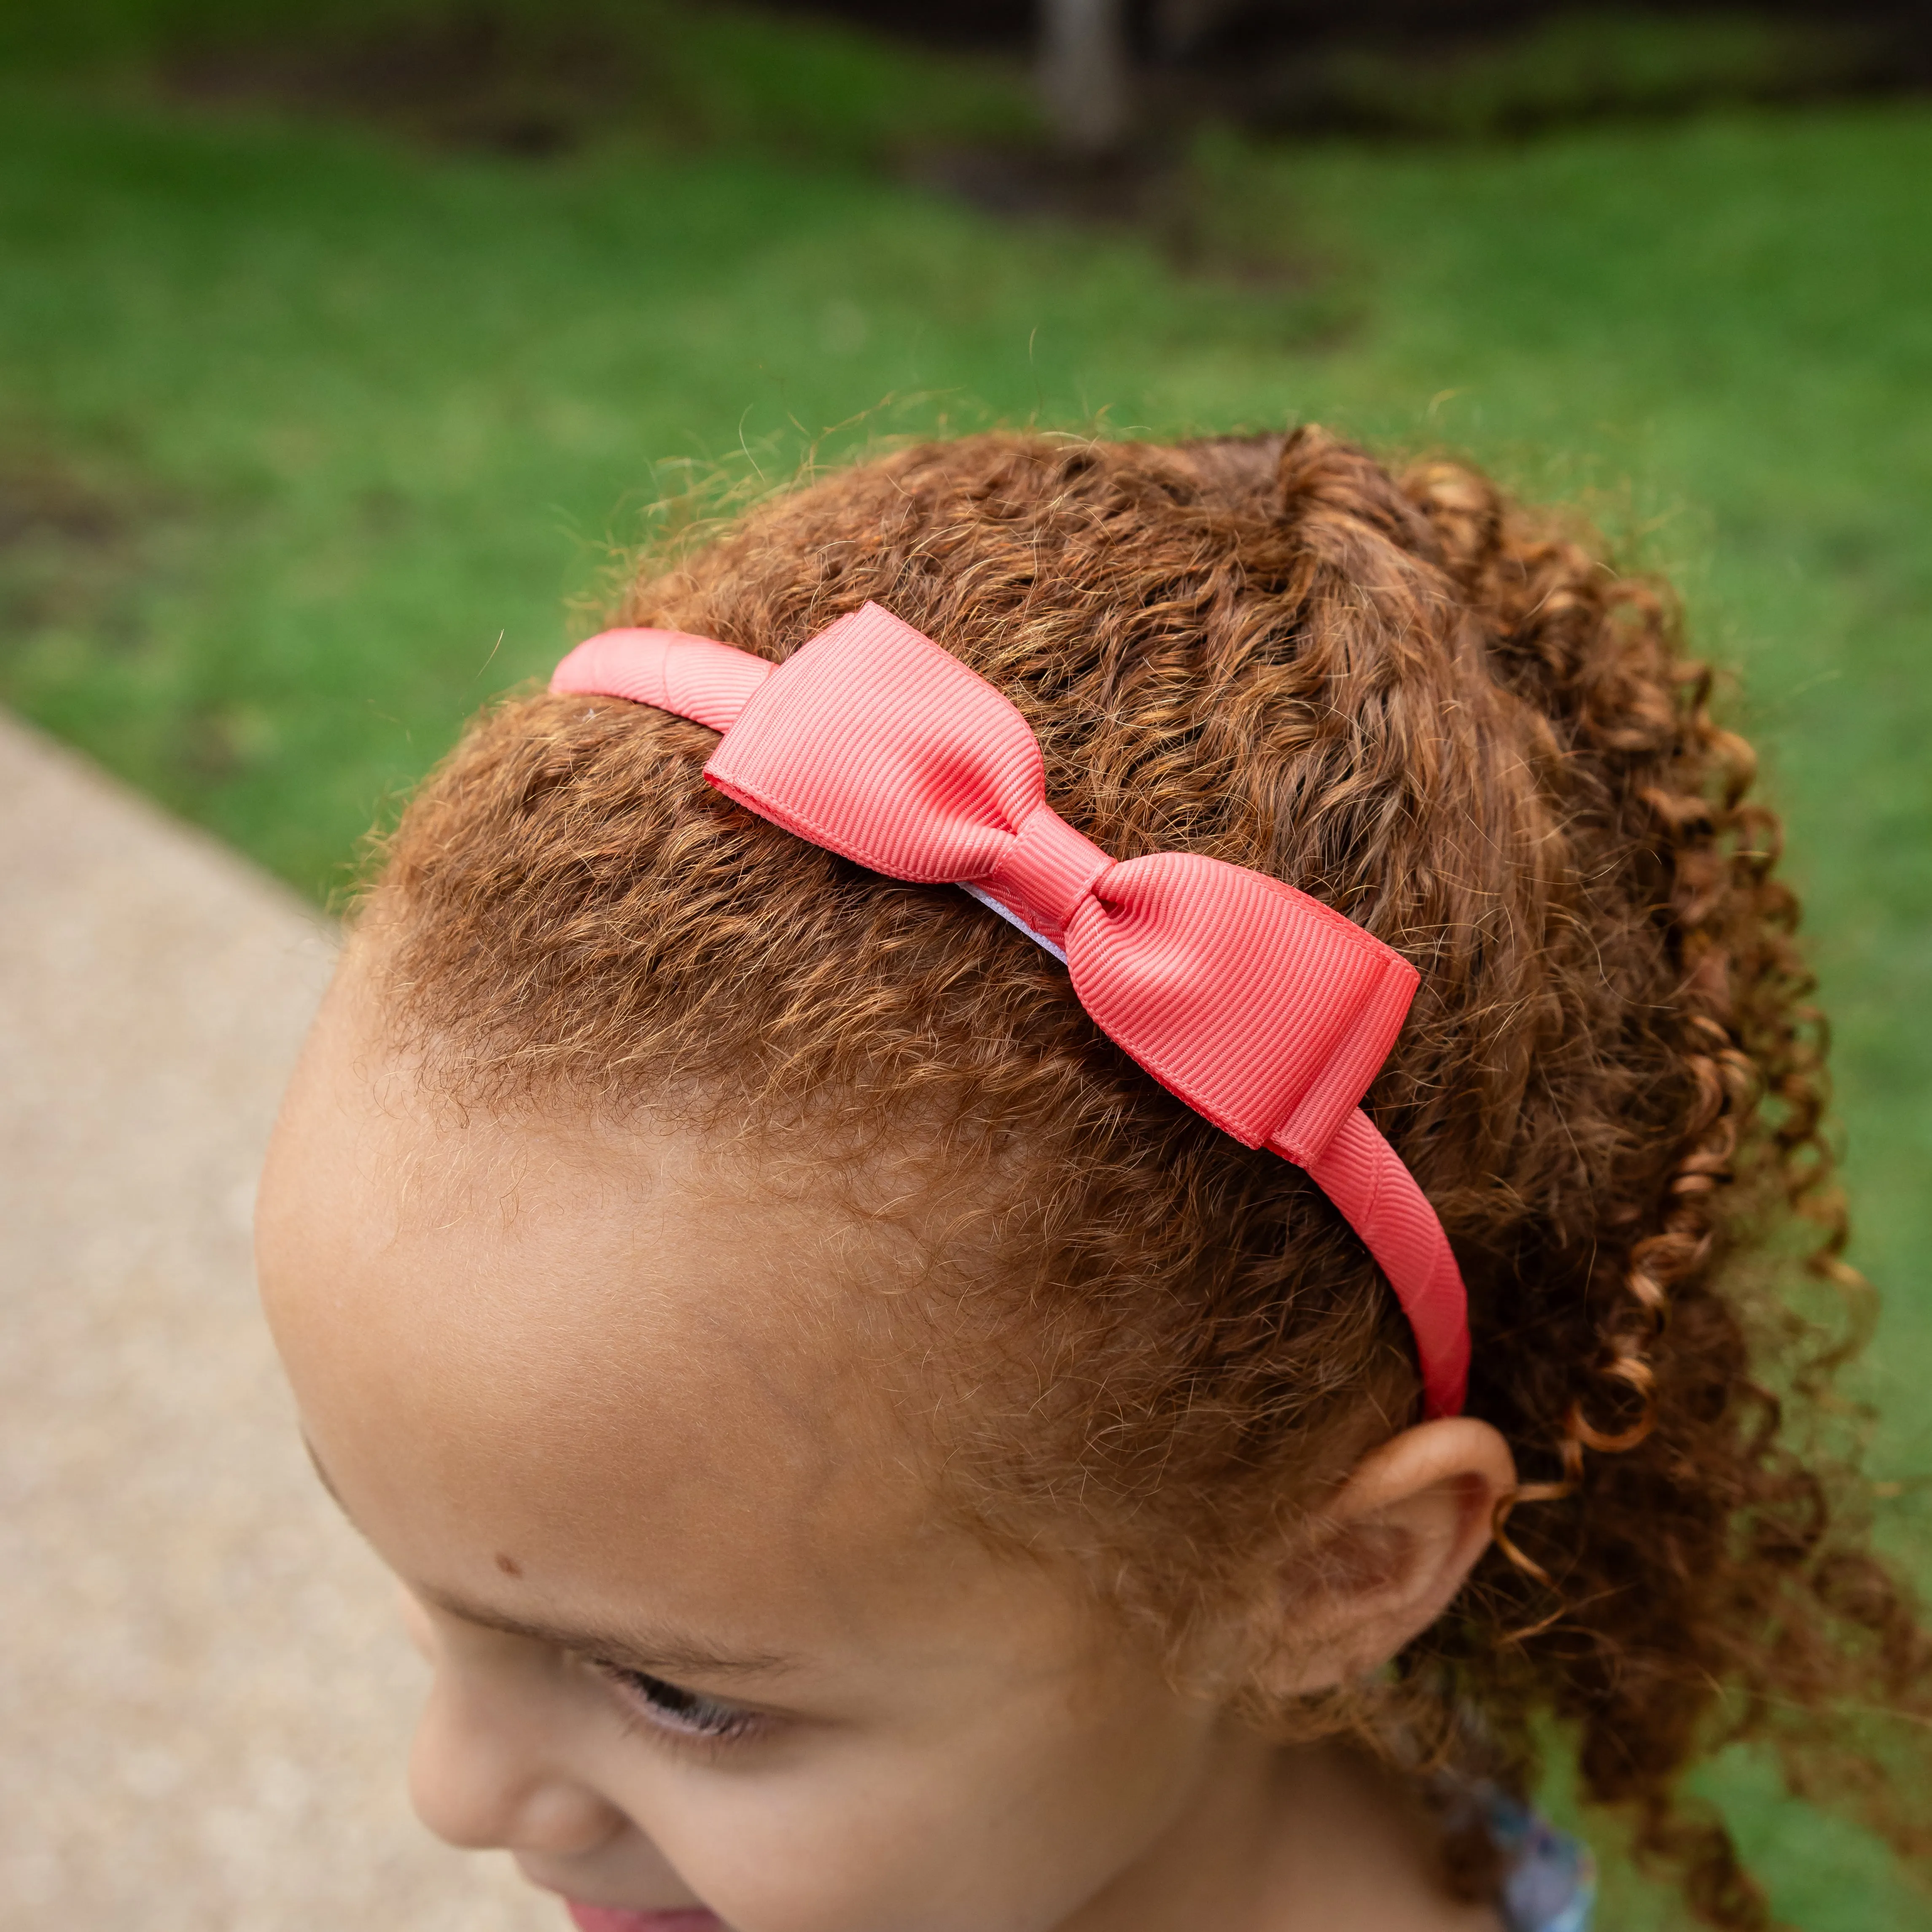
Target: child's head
(698, 1255)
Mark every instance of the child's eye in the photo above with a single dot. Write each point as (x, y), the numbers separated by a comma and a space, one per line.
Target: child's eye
(674, 1709)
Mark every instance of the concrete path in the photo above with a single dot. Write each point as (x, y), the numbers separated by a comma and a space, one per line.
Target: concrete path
(204, 1699)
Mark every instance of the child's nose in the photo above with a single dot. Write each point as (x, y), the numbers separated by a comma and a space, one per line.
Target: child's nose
(484, 1777)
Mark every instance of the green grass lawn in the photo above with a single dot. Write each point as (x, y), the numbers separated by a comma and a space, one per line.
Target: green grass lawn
(308, 439)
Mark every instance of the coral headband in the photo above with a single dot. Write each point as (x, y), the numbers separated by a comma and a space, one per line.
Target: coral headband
(1261, 1008)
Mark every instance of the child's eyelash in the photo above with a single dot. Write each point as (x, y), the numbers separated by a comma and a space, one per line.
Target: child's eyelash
(671, 1708)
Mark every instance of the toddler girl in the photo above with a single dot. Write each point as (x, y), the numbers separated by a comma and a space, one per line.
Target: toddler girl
(1142, 1394)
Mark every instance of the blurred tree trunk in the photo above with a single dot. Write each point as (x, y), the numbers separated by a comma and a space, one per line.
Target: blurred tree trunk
(1086, 74)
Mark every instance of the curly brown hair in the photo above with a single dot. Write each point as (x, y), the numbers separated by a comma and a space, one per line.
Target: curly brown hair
(1450, 718)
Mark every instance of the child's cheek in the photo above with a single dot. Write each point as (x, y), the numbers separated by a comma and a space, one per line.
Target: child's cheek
(899, 1847)
(811, 1850)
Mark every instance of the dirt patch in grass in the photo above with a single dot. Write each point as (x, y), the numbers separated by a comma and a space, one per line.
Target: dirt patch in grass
(80, 548)
(474, 77)
(41, 501)
(537, 79)
(67, 542)
(1242, 234)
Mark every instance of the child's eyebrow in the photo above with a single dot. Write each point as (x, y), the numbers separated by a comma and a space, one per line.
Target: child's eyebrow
(654, 1653)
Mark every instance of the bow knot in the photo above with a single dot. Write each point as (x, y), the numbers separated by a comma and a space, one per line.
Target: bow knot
(1044, 875)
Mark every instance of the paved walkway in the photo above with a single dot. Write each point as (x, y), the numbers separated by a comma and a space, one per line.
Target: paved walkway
(204, 1702)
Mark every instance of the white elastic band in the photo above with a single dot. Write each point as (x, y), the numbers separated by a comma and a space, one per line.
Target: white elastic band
(994, 905)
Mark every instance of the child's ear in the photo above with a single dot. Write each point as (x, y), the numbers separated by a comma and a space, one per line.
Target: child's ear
(1385, 1557)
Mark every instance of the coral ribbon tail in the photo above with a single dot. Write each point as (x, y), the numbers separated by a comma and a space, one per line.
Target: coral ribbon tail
(1379, 1198)
(697, 678)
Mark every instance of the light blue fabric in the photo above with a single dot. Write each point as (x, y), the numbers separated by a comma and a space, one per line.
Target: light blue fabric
(1550, 1883)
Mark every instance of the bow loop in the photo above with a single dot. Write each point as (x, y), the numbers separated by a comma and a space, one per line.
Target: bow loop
(1262, 1008)
(872, 740)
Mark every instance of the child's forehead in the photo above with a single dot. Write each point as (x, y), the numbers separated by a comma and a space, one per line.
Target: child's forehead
(562, 1319)
(438, 1171)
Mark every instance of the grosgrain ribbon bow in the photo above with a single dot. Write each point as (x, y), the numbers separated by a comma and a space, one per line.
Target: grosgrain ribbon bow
(1263, 1009)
